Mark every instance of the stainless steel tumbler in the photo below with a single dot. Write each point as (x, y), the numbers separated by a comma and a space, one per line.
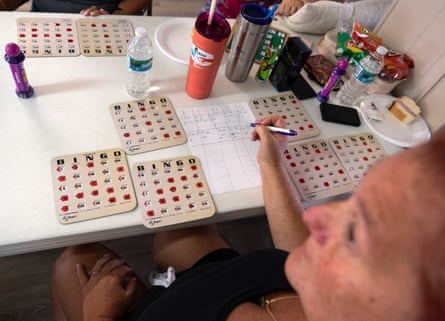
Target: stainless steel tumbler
(251, 27)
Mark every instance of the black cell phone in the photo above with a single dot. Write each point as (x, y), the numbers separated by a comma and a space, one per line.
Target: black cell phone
(340, 114)
(301, 88)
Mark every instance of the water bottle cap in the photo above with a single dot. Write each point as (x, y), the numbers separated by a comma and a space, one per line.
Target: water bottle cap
(381, 50)
(141, 32)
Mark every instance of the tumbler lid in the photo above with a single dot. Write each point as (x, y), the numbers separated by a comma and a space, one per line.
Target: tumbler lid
(219, 30)
(256, 14)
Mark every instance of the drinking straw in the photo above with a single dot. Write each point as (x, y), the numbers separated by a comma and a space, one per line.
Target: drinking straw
(272, 11)
(211, 12)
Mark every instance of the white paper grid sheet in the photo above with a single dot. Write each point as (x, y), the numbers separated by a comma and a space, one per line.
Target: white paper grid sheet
(220, 137)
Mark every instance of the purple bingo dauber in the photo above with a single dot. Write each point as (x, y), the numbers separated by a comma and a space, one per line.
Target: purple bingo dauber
(15, 57)
(338, 71)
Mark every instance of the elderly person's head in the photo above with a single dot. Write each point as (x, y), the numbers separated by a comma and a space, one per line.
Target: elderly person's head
(379, 255)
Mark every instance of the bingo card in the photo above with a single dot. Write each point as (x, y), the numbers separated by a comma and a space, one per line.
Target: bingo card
(357, 153)
(316, 171)
(147, 125)
(91, 185)
(38, 37)
(172, 191)
(104, 37)
(291, 109)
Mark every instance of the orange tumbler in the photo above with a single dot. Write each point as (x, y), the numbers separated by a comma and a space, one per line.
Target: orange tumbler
(208, 45)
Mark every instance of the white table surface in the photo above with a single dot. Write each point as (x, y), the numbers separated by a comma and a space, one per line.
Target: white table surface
(70, 114)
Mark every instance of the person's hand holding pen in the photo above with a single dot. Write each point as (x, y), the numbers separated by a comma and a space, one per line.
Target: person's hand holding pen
(272, 145)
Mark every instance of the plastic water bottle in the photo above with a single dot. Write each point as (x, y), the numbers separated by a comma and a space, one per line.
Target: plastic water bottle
(140, 61)
(344, 23)
(363, 74)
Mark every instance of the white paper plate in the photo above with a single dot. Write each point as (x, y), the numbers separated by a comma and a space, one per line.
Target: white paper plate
(389, 127)
(173, 38)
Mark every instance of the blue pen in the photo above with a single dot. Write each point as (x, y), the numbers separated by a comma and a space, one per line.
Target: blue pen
(278, 130)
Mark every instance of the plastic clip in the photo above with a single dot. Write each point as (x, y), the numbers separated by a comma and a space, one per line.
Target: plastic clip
(164, 279)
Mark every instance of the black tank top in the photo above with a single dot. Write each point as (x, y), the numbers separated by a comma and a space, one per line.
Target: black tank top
(72, 6)
(210, 291)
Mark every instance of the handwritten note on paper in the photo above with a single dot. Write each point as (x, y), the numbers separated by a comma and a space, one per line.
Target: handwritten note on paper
(220, 137)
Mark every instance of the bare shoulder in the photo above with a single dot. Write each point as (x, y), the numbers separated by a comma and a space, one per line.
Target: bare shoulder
(284, 306)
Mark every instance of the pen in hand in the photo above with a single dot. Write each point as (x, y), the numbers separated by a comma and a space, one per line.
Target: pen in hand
(278, 130)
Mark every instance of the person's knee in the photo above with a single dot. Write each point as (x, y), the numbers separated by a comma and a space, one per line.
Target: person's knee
(74, 251)
(82, 254)
(184, 247)
(65, 259)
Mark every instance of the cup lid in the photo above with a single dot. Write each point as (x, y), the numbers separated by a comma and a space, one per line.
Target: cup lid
(218, 30)
(256, 14)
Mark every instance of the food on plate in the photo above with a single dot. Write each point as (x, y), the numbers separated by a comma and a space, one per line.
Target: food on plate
(404, 109)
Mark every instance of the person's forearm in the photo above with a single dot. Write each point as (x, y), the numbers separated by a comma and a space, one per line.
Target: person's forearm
(283, 207)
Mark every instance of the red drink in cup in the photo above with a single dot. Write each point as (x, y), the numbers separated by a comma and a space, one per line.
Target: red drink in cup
(208, 45)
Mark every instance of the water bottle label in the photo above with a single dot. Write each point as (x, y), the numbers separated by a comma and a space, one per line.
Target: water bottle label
(139, 65)
(363, 75)
(201, 57)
